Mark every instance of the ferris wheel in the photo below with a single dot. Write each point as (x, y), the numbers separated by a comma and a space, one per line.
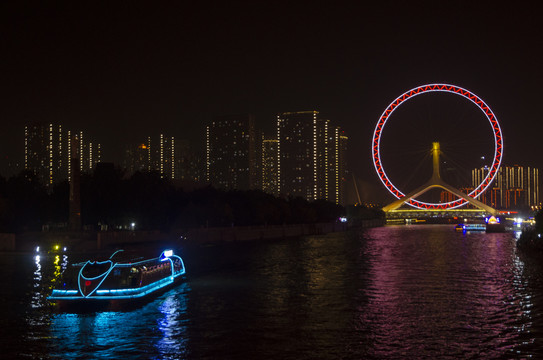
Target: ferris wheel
(425, 89)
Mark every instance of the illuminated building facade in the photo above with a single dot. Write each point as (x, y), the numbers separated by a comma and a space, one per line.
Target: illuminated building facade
(44, 152)
(158, 154)
(515, 187)
(311, 157)
(136, 158)
(74, 217)
(88, 153)
(324, 153)
(338, 163)
(231, 152)
(91, 154)
(331, 162)
(269, 166)
(189, 164)
(48, 150)
(171, 157)
(166, 156)
(297, 154)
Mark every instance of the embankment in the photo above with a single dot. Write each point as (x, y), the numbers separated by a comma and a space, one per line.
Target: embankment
(85, 241)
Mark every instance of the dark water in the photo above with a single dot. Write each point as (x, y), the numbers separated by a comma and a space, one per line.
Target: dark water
(384, 293)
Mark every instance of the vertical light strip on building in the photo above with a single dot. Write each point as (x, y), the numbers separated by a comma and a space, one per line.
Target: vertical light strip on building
(69, 155)
(262, 161)
(50, 154)
(207, 154)
(529, 186)
(90, 156)
(26, 147)
(502, 183)
(326, 168)
(314, 155)
(161, 156)
(149, 164)
(60, 164)
(536, 182)
(173, 158)
(278, 155)
(337, 144)
(80, 150)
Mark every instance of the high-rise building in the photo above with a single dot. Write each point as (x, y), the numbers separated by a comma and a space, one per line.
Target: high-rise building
(157, 154)
(311, 157)
(88, 154)
(45, 152)
(166, 156)
(174, 159)
(189, 165)
(91, 154)
(48, 150)
(231, 153)
(515, 187)
(74, 217)
(297, 154)
(136, 158)
(269, 166)
(338, 165)
(324, 153)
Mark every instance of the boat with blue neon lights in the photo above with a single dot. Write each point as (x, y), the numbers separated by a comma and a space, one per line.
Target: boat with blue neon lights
(114, 283)
(470, 227)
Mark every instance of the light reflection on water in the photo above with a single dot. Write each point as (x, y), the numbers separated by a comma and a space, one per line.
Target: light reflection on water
(391, 292)
(448, 299)
(37, 294)
(173, 325)
(126, 334)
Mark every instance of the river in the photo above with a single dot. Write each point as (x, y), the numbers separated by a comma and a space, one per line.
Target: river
(409, 292)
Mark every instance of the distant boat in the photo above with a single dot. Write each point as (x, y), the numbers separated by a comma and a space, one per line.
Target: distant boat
(470, 227)
(113, 283)
(494, 225)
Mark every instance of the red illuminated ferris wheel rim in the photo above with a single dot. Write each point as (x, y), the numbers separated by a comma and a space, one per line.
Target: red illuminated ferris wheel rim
(498, 143)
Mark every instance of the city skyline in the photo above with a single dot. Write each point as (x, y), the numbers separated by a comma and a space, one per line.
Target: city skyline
(121, 71)
(234, 158)
(318, 146)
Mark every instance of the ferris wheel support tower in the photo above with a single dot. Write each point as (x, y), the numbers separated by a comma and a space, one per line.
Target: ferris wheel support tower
(437, 182)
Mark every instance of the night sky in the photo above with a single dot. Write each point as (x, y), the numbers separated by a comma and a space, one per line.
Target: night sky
(123, 70)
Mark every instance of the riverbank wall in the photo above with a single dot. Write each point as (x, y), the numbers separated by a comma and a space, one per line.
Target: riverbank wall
(103, 240)
(249, 233)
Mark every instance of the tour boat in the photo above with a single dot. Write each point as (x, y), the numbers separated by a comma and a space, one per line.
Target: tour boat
(470, 227)
(110, 283)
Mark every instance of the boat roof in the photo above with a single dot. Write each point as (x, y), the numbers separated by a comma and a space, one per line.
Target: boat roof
(120, 257)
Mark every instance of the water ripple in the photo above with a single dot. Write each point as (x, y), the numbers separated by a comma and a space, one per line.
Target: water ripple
(421, 292)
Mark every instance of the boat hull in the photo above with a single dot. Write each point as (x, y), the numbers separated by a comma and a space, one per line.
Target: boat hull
(116, 285)
(102, 303)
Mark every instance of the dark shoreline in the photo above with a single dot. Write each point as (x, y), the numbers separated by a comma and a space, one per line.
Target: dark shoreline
(530, 241)
(103, 240)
